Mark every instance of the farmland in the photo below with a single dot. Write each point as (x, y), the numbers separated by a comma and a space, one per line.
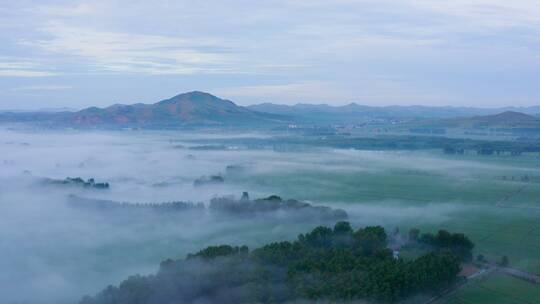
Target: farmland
(485, 197)
(497, 289)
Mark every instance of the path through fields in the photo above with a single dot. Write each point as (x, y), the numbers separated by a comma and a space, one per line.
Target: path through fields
(483, 273)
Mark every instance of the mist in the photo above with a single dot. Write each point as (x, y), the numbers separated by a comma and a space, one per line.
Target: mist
(54, 253)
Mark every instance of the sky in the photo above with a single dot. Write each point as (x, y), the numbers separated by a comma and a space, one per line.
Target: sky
(482, 53)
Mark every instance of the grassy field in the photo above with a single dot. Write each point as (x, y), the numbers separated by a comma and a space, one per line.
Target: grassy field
(495, 200)
(484, 197)
(497, 289)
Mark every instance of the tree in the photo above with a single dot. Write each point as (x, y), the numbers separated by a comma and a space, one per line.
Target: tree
(342, 227)
(371, 239)
(413, 235)
(319, 237)
(319, 265)
(216, 251)
(458, 243)
(461, 245)
(480, 258)
(504, 261)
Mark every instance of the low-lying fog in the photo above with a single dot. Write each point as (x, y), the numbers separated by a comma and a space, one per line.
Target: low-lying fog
(53, 253)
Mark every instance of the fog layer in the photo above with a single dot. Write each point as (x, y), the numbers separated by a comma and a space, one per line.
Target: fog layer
(53, 253)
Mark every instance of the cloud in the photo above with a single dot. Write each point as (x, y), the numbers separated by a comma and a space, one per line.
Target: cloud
(79, 9)
(134, 53)
(481, 50)
(42, 88)
(17, 67)
(23, 73)
(486, 13)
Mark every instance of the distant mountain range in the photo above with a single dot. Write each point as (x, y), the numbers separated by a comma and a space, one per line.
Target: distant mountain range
(188, 109)
(354, 112)
(199, 108)
(504, 120)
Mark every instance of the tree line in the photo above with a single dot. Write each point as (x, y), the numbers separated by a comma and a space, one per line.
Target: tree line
(334, 264)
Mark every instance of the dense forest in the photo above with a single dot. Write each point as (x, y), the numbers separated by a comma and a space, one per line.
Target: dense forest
(335, 264)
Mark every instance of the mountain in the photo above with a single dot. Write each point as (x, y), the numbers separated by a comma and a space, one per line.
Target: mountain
(199, 108)
(193, 108)
(508, 122)
(354, 112)
(188, 108)
(508, 119)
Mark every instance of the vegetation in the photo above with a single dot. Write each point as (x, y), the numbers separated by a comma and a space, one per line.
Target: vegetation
(108, 205)
(274, 203)
(457, 243)
(504, 261)
(326, 263)
(498, 288)
(448, 145)
(232, 169)
(221, 205)
(211, 180)
(77, 181)
(493, 199)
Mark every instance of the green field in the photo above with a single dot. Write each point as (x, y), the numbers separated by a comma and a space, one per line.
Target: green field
(497, 289)
(483, 197)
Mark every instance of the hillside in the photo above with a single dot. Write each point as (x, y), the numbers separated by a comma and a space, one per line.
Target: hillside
(188, 108)
(508, 119)
(203, 109)
(355, 113)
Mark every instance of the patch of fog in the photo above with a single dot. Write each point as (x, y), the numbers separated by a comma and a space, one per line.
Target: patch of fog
(54, 254)
(396, 213)
(133, 165)
(413, 160)
(213, 135)
(267, 161)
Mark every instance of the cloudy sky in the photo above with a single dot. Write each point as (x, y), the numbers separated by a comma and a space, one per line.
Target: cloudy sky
(377, 52)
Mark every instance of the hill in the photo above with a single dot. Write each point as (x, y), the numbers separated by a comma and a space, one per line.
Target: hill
(505, 123)
(505, 120)
(354, 112)
(203, 109)
(193, 108)
(188, 109)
